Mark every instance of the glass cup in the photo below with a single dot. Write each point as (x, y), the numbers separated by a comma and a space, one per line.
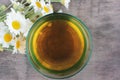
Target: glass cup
(59, 45)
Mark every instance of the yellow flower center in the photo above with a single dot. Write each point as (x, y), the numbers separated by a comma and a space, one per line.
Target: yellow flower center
(46, 9)
(38, 4)
(7, 37)
(18, 44)
(16, 25)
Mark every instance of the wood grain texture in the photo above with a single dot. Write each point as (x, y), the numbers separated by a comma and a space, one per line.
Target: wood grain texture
(103, 19)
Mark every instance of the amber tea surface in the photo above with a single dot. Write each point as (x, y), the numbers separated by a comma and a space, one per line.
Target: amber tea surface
(58, 44)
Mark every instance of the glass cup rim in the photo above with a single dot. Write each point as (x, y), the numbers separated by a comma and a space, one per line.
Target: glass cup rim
(85, 27)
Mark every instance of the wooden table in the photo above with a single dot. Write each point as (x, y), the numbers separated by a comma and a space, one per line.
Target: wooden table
(103, 19)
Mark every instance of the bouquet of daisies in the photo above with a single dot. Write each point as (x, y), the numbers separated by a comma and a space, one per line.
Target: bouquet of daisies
(17, 19)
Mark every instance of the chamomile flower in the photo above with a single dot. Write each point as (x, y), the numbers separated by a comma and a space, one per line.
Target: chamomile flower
(47, 8)
(6, 38)
(19, 45)
(17, 23)
(65, 3)
(37, 5)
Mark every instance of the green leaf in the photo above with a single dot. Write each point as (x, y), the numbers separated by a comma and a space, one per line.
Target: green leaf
(2, 13)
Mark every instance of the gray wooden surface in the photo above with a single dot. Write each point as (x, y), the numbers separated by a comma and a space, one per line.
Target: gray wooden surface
(103, 19)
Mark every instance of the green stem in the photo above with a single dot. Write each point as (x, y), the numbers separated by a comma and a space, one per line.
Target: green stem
(22, 1)
(1, 48)
(28, 9)
(29, 13)
(2, 18)
(6, 8)
(7, 49)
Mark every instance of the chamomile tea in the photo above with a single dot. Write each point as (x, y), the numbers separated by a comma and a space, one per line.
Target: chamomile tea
(58, 44)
